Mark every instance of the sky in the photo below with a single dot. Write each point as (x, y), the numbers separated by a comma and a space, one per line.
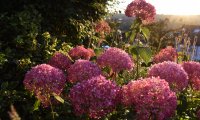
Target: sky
(170, 7)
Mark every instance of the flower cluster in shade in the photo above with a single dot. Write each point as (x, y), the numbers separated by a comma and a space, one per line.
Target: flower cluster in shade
(198, 114)
(95, 97)
(102, 27)
(151, 97)
(82, 70)
(79, 52)
(116, 59)
(173, 73)
(193, 70)
(44, 80)
(167, 54)
(142, 10)
(60, 61)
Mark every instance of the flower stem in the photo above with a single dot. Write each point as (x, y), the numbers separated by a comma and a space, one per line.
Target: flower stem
(137, 57)
(52, 111)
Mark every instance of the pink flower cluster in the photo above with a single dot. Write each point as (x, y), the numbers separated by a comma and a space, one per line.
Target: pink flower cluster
(116, 59)
(60, 61)
(142, 10)
(151, 97)
(95, 97)
(80, 52)
(102, 26)
(193, 70)
(83, 70)
(167, 54)
(173, 73)
(43, 80)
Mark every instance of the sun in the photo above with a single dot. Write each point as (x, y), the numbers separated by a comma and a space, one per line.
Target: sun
(177, 7)
(171, 7)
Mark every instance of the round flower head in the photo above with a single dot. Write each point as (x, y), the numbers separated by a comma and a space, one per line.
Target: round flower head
(173, 73)
(167, 54)
(193, 70)
(91, 52)
(151, 97)
(80, 52)
(95, 97)
(102, 26)
(44, 80)
(60, 61)
(195, 82)
(142, 10)
(82, 70)
(116, 59)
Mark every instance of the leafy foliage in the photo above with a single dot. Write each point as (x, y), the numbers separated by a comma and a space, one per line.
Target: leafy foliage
(24, 41)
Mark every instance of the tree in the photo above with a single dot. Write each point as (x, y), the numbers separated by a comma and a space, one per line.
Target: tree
(161, 34)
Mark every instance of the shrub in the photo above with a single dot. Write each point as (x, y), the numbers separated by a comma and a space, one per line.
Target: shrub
(116, 59)
(95, 97)
(151, 98)
(44, 80)
(173, 73)
(167, 54)
(60, 61)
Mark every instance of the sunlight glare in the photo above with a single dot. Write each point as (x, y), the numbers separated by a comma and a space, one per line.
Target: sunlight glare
(177, 7)
(173, 7)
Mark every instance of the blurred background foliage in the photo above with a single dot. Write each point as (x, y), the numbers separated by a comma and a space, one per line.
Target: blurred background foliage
(31, 31)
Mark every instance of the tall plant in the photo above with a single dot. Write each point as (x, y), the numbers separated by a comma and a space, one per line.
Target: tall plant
(144, 14)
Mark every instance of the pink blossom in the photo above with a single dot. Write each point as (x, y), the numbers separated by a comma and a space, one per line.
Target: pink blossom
(142, 10)
(193, 70)
(151, 97)
(95, 97)
(80, 52)
(173, 73)
(91, 51)
(116, 59)
(44, 80)
(102, 26)
(167, 54)
(82, 70)
(60, 61)
(195, 83)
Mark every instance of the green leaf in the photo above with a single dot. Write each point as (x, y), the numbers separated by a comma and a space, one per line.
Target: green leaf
(4, 85)
(57, 97)
(127, 34)
(132, 36)
(134, 52)
(36, 105)
(98, 51)
(136, 23)
(145, 31)
(145, 53)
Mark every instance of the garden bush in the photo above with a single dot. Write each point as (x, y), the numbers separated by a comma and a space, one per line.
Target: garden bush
(65, 73)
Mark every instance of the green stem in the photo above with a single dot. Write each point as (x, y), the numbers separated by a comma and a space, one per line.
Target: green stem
(159, 45)
(137, 76)
(89, 43)
(52, 111)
